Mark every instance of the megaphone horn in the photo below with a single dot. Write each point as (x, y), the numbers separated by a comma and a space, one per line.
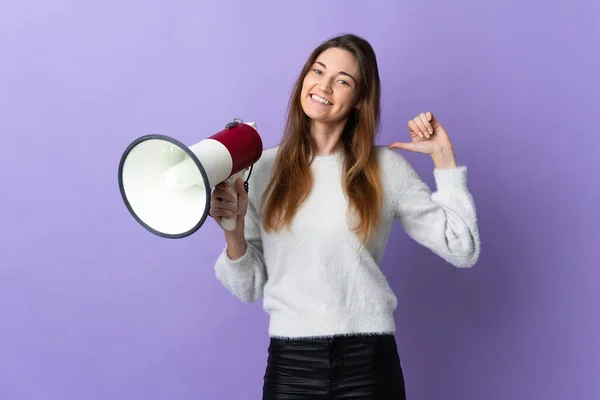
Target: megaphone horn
(166, 186)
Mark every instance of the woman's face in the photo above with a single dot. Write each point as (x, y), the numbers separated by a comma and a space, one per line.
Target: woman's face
(330, 88)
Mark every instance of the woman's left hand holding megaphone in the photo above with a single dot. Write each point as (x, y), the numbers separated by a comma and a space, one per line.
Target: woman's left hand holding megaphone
(225, 205)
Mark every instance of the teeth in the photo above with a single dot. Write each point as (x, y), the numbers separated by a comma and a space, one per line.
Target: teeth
(320, 99)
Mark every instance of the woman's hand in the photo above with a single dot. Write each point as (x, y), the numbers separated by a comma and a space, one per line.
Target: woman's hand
(429, 137)
(224, 205)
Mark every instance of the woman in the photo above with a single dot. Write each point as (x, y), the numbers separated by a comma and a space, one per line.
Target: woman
(312, 230)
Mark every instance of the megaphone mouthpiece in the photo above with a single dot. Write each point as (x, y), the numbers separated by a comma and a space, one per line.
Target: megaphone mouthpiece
(181, 176)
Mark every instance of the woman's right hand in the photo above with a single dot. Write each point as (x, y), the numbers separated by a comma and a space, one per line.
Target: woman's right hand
(225, 205)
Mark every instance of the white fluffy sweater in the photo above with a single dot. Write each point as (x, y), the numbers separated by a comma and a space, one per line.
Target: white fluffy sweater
(315, 279)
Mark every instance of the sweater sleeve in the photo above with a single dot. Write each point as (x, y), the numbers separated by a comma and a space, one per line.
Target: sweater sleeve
(444, 221)
(246, 276)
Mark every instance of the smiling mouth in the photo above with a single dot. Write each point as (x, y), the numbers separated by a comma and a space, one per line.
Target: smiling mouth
(321, 100)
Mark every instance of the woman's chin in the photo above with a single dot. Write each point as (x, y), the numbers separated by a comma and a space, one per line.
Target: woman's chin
(316, 115)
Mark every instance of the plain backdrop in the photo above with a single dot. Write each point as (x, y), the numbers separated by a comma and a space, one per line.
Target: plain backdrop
(93, 307)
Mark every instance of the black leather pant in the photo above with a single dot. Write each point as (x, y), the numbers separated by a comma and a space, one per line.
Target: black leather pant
(345, 367)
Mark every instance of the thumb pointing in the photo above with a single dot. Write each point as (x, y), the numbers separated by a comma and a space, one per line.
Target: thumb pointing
(403, 145)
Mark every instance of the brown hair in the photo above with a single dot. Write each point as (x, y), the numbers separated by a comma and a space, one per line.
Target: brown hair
(291, 181)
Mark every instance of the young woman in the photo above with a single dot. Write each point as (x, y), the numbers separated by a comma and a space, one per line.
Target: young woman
(312, 230)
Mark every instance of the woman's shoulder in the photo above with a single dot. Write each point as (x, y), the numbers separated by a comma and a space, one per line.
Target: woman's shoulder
(262, 168)
(394, 168)
(387, 157)
(260, 175)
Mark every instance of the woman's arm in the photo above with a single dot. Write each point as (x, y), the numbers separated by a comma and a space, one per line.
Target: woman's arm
(241, 266)
(444, 221)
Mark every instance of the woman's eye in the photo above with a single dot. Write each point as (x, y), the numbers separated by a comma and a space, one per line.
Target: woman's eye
(318, 71)
(343, 82)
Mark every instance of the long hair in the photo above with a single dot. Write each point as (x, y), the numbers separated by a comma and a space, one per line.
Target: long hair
(291, 181)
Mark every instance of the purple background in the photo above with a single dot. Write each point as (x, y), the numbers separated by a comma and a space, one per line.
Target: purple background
(94, 307)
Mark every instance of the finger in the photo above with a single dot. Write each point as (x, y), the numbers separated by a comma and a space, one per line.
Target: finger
(219, 204)
(223, 186)
(225, 200)
(429, 116)
(223, 195)
(223, 206)
(242, 202)
(421, 126)
(426, 123)
(403, 146)
(414, 129)
(239, 187)
(221, 200)
(221, 213)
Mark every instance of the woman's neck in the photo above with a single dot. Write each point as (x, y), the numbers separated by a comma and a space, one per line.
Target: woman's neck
(327, 137)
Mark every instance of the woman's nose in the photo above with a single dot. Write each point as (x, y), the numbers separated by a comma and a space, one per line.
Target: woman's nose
(325, 85)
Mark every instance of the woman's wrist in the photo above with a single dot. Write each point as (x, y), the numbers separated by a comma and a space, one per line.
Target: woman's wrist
(444, 158)
(236, 244)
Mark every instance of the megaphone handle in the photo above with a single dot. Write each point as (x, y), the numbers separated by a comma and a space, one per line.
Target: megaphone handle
(229, 224)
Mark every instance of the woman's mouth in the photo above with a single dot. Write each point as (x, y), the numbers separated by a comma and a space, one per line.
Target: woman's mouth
(320, 100)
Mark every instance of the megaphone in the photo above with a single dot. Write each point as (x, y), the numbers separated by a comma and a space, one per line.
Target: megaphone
(166, 186)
